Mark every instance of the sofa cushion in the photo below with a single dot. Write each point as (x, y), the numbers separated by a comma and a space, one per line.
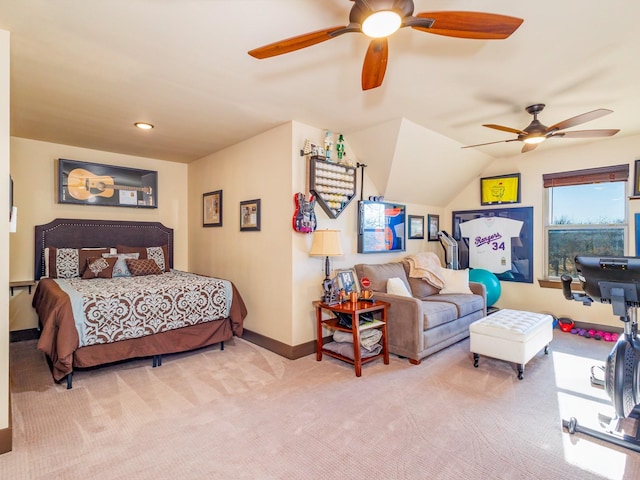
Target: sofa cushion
(379, 273)
(438, 313)
(464, 303)
(396, 286)
(455, 281)
(419, 287)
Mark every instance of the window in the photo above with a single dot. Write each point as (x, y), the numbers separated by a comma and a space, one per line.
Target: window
(586, 214)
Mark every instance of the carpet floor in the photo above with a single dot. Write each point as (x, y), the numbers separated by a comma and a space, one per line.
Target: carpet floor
(247, 413)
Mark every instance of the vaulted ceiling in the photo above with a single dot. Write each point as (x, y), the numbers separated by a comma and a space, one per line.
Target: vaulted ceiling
(82, 72)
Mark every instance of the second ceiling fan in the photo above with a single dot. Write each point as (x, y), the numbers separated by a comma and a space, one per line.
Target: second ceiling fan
(380, 18)
(536, 133)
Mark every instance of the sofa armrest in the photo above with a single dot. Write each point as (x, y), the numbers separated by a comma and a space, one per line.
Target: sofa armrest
(405, 323)
(480, 289)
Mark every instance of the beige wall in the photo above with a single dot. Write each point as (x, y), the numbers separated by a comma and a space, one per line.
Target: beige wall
(272, 269)
(4, 229)
(34, 167)
(532, 166)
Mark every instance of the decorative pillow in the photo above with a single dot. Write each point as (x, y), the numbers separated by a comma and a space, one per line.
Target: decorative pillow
(396, 286)
(70, 262)
(121, 269)
(455, 281)
(142, 267)
(159, 254)
(99, 267)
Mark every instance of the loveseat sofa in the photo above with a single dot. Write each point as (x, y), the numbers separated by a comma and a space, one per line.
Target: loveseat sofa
(421, 320)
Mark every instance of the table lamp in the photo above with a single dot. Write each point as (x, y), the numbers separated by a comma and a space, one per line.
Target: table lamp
(326, 243)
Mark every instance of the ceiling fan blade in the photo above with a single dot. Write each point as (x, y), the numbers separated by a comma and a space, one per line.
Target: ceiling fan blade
(528, 147)
(475, 25)
(505, 129)
(578, 119)
(587, 133)
(375, 63)
(295, 43)
(490, 143)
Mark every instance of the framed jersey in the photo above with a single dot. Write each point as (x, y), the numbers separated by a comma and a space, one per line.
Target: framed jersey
(499, 240)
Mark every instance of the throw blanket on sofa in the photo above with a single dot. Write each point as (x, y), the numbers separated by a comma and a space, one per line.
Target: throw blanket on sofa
(426, 265)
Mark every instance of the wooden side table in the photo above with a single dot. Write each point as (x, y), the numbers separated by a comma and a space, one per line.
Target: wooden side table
(354, 309)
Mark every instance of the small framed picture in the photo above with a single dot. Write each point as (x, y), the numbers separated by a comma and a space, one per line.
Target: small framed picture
(636, 183)
(250, 215)
(434, 227)
(416, 227)
(212, 209)
(348, 280)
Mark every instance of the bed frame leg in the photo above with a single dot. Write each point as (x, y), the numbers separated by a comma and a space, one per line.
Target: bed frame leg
(157, 361)
(221, 345)
(69, 381)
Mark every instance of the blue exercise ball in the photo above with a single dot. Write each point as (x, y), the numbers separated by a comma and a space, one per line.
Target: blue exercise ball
(490, 281)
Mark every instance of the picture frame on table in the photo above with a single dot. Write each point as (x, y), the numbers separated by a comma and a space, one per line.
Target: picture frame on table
(500, 190)
(250, 215)
(416, 227)
(212, 209)
(348, 280)
(433, 221)
(88, 183)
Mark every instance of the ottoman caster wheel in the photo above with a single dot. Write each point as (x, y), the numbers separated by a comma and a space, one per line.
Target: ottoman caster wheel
(546, 349)
(520, 372)
(476, 358)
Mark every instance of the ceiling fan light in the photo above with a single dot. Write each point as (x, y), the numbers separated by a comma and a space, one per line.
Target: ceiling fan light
(535, 139)
(143, 125)
(381, 24)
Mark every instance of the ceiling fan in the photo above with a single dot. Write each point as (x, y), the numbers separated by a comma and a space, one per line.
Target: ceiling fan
(536, 133)
(380, 18)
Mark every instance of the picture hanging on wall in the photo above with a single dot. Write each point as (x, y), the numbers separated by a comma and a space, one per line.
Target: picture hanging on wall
(212, 209)
(381, 227)
(434, 227)
(96, 184)
(500, 190)
(250, 215)
(416, 227)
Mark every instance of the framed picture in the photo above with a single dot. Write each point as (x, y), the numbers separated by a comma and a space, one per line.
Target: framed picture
(212, 209)
(500, 190)
(96, 184)
(636, 183)
(348, 280)
(381, 227)
(250, 215)
(434, 227)
(416, 227)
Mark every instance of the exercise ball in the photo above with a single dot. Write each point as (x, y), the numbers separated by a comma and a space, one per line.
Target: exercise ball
(489, 280)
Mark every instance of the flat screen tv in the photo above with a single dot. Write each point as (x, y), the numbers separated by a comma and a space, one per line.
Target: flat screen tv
(381, 227)
(605, 277)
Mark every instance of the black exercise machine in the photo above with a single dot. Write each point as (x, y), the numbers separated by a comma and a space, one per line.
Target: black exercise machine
(614, 281)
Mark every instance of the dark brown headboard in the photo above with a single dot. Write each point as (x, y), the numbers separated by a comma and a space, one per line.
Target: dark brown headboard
(76, 233)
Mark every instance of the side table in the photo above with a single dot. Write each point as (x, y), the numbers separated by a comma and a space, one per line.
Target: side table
(354, 309)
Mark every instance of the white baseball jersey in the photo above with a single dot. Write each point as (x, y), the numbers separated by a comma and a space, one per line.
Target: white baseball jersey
(490, 242)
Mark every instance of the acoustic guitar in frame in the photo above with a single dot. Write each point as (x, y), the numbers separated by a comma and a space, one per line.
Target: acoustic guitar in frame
(83, 185)
(304, 216)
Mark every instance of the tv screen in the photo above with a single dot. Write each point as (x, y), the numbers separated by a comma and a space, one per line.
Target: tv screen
(605, 277)
(381, 227)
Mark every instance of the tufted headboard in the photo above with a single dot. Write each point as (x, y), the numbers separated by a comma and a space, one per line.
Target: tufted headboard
(78, 233)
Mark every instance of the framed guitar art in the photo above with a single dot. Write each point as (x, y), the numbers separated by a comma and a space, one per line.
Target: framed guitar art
(96, 184)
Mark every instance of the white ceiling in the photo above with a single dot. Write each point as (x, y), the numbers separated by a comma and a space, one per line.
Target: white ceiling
(82, 71)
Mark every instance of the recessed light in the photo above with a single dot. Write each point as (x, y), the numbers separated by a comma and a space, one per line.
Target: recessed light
(143, 125)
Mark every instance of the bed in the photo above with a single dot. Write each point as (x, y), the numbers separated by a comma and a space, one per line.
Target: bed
(91, 312)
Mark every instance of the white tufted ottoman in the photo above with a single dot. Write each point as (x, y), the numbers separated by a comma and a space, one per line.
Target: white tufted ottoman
(511, 335)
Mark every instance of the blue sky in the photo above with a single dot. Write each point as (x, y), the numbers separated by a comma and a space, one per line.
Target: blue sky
(590, 203)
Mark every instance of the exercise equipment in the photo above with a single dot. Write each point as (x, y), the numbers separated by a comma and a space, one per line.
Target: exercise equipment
(490, 281)
(450, 247)
(614, 281)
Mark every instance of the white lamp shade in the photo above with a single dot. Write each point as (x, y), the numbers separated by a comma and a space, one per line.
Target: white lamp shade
(326, 243)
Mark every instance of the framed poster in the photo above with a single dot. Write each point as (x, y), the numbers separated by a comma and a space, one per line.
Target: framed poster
(96, 184)
(381, 227)
(212, 209)
(500, 190)
(416, 227)
(499, 240)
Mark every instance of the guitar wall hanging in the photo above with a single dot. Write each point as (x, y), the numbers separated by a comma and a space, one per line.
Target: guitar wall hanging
(304, 216)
